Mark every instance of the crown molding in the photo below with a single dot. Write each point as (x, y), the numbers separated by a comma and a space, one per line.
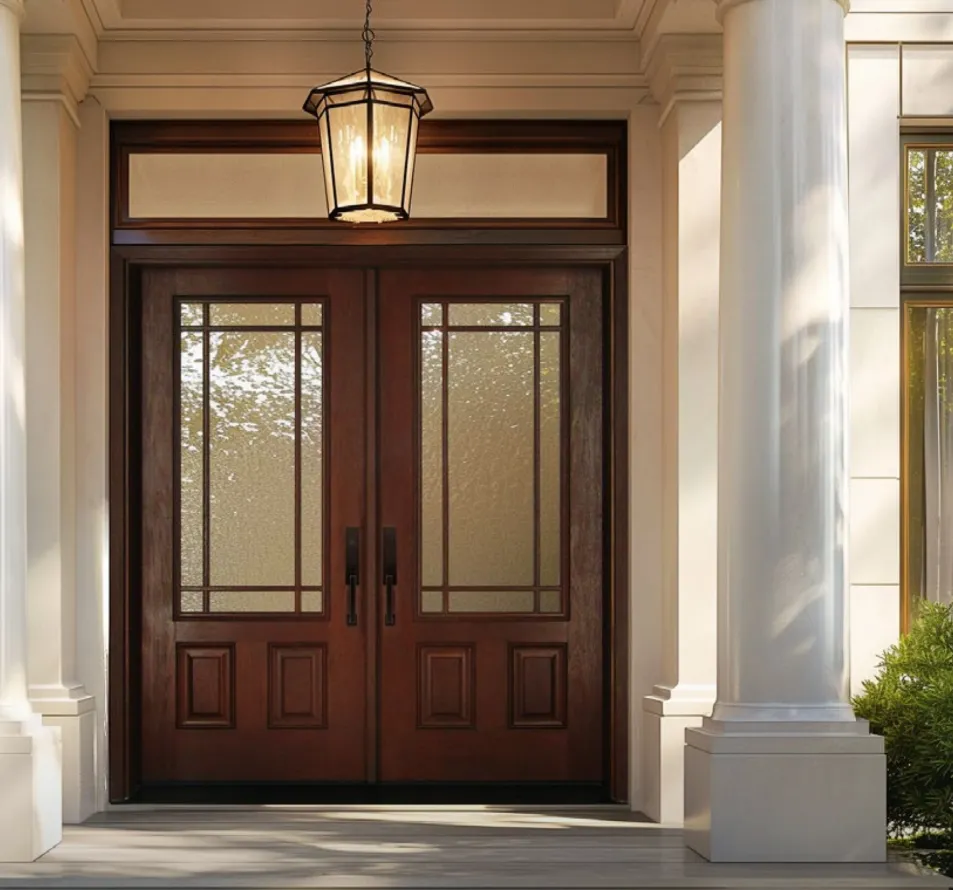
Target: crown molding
(17, 7)
(725, 5)
(685, 68)
(55, 68)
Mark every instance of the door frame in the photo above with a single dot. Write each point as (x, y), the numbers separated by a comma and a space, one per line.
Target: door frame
(446, 243)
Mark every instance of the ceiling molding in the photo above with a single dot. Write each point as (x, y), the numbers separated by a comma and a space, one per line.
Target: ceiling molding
(685, 68)
(64, 18)
(54, 63)
(54, 68)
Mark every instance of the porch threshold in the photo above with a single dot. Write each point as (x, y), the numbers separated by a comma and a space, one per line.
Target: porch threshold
(411, 847)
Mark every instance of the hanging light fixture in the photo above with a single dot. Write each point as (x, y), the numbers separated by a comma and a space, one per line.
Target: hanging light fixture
(368, 125)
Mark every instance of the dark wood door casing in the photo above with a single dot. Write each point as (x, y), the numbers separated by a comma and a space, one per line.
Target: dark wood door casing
(282, 244)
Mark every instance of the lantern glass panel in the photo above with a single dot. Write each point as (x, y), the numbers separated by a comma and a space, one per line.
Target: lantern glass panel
(348, 128)
(411, 159)
(390, 152)
(327, 147)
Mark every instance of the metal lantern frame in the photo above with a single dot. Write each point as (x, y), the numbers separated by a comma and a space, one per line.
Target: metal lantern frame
(372, 89)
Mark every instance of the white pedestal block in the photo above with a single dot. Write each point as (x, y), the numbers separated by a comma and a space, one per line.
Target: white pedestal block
(665, 718)
(77, 740)
(31, 794)
(807, 793)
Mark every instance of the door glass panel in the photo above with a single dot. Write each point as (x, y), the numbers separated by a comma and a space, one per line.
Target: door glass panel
(251, 314)
(251, 459)
(550, 601)
(191, 457)
(311, 314)
(491, 458)
(191, 601)
(251, 601)
(550, 477)
(490, 601)
(549, 314)
(431, 485)
(431, 601)
(192, 315)
(312, 601)
(431, 313)
(312, 475)
(491, 314)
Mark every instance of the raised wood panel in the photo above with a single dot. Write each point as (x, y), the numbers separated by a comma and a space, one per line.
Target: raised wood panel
(205, 687)
(538, 686)
(297, 687)
(446, 687)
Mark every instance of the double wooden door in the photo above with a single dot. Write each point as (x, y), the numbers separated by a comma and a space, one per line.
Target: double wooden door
(371, 541)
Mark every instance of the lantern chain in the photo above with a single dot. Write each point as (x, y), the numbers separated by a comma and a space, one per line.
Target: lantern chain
(368, 35)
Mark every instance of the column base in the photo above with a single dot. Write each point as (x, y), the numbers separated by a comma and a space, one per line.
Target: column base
(759, 792)
(31, 818)
(73, 712)
(667, 713)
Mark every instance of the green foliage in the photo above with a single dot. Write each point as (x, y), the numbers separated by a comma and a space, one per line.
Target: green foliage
(910, 703)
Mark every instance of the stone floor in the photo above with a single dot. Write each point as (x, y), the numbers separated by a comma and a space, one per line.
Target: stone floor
(408, 847)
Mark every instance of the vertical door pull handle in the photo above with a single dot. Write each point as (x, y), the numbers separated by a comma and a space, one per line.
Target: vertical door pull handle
(390, 573)
(352, 560)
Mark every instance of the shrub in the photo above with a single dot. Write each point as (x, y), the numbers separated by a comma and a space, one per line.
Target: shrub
(910, 703)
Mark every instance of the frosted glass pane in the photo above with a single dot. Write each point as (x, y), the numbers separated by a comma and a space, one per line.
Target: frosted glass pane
(412, 161)
(431, 313)
(431, 449)
(490, 601)
(491, 314)
(349, 135)
(550, 601)
(191, 459)
(251, 601)
(252, 314)
(491, 458)
(190, 601)
(311, 314)
(549, 465)
(312, 601)
(192, 315)
(252, 458)
(549, 314)
(312, 458)
(431, 601)
(390, 151)
(326, 150)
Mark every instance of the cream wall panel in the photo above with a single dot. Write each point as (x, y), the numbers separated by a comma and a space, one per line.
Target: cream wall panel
(874, 556)
(927, 80)
(875, 393)
(292, 185)
(645, 425)
(874, 625)
(874, 155)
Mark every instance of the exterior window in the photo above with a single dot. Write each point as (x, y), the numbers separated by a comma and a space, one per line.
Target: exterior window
(929, 204)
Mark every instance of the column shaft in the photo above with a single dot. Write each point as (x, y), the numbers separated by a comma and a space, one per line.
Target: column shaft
(782, 377)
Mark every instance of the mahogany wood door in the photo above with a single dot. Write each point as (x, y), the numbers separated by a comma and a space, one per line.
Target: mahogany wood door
(491, 502)
(474, 652)
(252, 466)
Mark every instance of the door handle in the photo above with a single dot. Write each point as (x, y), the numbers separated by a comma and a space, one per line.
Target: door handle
(352, 560)
(390, 573)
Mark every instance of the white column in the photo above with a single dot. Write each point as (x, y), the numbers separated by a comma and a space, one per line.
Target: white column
(783, 771)
(30, 815)
(691, 184)
(50, 137)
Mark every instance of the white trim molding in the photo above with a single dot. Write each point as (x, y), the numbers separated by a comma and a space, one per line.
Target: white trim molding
(54, 68)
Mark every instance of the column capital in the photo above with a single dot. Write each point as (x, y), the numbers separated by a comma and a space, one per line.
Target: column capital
(725, 5)
(17, 7)
(54, 68)
(684, 68)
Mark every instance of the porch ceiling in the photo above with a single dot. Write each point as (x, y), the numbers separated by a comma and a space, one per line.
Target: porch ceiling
(122, 16)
